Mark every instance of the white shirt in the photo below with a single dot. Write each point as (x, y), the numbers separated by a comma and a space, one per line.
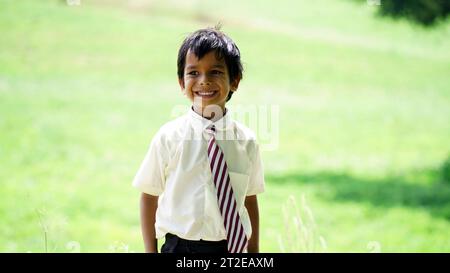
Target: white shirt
(176, 168)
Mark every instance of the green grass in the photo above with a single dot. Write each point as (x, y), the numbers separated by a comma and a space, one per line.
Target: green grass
(364, 118)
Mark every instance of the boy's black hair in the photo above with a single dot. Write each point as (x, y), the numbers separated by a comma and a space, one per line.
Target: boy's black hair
(206, 40)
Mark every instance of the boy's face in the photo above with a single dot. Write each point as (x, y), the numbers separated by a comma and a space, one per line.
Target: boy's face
(206, 82)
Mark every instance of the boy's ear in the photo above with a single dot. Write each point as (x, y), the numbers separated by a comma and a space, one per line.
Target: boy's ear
(181, 83)
(235, 84)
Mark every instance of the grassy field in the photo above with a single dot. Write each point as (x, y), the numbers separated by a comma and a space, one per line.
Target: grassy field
(364, 107)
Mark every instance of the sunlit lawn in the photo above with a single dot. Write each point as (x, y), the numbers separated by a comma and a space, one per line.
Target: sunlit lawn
(364, 107)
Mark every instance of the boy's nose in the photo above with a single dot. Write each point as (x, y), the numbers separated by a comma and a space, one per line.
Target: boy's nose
(204, 80)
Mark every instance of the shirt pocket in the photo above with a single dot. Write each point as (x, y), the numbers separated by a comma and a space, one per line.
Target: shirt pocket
(239, 183)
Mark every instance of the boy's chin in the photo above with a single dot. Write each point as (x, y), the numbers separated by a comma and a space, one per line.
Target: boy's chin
(202, 102)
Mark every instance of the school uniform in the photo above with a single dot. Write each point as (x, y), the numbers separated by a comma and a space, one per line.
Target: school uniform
(177, 169)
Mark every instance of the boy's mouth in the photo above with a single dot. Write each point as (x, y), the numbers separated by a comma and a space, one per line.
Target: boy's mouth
(206, 95)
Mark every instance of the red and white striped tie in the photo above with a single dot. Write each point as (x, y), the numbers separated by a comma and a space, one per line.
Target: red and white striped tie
(236, 237)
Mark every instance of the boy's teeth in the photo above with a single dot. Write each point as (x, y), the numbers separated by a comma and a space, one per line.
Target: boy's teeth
(206, 93)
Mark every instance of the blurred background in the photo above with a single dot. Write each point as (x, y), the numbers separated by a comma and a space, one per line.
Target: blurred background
(363, 89)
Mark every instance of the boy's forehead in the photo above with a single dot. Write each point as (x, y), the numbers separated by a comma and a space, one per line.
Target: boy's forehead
(209, 58)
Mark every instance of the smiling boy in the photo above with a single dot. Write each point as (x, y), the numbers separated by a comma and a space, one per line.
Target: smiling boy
(202, 172)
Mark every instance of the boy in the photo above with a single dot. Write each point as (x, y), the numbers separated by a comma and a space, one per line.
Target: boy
(201, 174)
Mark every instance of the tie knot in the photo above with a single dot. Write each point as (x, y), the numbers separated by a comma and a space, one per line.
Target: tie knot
(211, 129)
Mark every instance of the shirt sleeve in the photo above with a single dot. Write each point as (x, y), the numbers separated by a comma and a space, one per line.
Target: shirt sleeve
(256, 183)
(150, 177)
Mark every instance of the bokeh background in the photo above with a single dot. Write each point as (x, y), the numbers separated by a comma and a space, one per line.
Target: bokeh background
(362, 163)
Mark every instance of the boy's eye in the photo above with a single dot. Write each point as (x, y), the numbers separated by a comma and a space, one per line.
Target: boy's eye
(216, 72)
(193, 73)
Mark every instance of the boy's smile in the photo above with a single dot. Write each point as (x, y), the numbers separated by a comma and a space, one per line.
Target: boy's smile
(206, 81)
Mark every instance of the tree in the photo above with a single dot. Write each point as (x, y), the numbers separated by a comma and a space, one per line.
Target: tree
(425, 12)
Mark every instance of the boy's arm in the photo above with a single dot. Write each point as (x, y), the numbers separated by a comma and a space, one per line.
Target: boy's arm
(149, 204)
(251, 203)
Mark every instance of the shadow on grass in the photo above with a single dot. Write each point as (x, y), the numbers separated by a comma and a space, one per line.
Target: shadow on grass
(414, 190)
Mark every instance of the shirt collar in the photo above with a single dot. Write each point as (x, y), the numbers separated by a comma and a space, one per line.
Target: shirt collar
(200, 123)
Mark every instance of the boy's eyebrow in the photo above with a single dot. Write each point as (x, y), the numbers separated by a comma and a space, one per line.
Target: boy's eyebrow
(218, 66)
(214, 66)
(191, 66)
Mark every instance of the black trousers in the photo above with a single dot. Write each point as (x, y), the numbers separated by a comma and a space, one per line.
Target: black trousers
(175, 244)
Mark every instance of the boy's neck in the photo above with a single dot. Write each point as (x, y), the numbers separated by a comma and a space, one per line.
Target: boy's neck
(213, 115)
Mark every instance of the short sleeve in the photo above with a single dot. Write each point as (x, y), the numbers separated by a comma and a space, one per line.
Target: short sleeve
(256, 182)
(150, 177)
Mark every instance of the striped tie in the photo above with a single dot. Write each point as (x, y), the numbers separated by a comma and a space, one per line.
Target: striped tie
(236, 237)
